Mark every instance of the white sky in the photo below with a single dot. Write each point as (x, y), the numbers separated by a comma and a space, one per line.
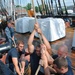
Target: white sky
(25, 2)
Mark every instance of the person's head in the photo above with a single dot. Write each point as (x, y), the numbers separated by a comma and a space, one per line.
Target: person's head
(20, 45)
(3, 57)
(60, 65)
(62, 51)
(38, 50)
(37, 47)
(10, 23)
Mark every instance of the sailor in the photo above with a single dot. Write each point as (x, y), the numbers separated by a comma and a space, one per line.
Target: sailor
(15, 58)
(60, 65)
(4, 70)
(63, 51)
(35, 51)
(9, 32)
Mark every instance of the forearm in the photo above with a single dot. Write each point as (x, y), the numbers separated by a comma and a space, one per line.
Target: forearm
(22, 61)
(23, 64)
(46, 42)
(49, 57)
(46, 70)
(17, 70)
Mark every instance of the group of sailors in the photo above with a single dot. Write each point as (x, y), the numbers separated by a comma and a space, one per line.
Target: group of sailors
(18, 59)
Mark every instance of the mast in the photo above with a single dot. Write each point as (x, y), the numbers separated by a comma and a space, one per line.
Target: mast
(74, 6)
(56, 7)
(65, 8)
(39, 6)
(60, 8)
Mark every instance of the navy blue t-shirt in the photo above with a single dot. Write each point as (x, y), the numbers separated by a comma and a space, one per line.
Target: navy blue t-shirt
(4, 70)
(70, 72)
(13, 53)
(34, 60)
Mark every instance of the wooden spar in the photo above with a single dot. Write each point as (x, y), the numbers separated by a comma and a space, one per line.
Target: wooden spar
(34, 11)
(74, 2)
(43, 7)
(74, 6)
(56, 7)
(60, 8)
(36, 20)
(65, 8)
(46, 7)
(50, 7)
(39, 6)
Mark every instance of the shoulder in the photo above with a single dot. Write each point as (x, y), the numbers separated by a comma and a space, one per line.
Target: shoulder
(68, 60)
(12, 51)
(70, 72)
(6, 29)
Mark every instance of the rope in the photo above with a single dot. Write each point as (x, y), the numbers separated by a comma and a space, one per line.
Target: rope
(28, 70)
(20, 68)
(36, 73)
(39, 37)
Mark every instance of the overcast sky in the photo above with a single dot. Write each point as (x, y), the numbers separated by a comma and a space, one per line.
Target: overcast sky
(25, 2)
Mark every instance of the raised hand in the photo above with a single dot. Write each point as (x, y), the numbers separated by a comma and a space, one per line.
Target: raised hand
(37, 28)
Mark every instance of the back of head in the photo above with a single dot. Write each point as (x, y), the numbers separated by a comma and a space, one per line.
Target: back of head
(61, 62)
(63, 48)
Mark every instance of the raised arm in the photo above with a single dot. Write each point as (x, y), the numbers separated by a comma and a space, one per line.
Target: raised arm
(45, 41)
(30, 40)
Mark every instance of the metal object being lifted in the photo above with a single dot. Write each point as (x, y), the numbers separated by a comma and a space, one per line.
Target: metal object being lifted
(4, 48)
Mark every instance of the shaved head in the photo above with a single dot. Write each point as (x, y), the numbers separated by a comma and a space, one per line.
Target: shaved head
(63, 50)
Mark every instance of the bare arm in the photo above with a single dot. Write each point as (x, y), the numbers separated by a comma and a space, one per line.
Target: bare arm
(46, 69)
(45, 41)
(22, 63)
(15, 62)
(30, 45)
(46, 44)
(44, 60)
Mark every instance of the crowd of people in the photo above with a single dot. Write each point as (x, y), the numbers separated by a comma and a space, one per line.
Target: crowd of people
(18, 58)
